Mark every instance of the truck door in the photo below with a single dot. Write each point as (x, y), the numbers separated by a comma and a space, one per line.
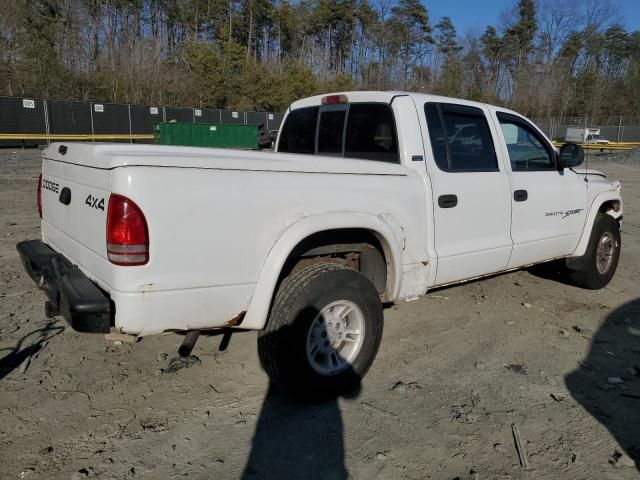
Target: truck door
(472, 211)
(548, 206)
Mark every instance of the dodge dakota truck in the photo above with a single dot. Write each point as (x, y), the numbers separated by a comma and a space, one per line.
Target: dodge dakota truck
(368, 198)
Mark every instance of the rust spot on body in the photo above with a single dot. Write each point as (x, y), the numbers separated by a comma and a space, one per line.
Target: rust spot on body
(237, 320)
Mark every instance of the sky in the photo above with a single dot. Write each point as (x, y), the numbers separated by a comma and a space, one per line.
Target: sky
(477, 14)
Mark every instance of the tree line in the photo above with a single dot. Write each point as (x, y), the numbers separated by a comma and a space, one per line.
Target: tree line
(542, 58)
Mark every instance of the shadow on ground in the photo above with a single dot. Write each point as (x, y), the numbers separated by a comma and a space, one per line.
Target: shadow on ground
(300, 434)
(555, 271)
(297, 440)
(27, 346)
(607, 384)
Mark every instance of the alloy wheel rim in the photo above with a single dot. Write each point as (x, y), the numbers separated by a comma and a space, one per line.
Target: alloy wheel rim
(604, 252)
(335, 337)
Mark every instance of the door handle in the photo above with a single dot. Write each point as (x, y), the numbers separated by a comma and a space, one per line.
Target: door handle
(520, 195)
(447, 201)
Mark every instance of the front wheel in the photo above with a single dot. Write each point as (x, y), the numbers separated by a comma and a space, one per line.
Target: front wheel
(324, 331)
(595, 269)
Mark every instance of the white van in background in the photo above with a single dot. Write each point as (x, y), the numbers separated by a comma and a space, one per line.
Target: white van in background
(585, 135)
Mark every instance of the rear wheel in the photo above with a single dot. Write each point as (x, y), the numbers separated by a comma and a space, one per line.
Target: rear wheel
(324, 331)
(595, 269)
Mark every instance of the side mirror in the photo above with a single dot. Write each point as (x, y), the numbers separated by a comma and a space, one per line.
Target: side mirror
(571, 155)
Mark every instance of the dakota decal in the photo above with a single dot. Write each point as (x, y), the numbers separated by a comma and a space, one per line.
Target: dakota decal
(564, 214)
(572, 212)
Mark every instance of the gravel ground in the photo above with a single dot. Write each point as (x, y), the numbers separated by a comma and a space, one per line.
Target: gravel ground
(456, 370)
(625, 156)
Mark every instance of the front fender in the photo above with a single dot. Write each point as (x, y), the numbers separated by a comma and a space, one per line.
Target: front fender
(593, 211)
(260, 303)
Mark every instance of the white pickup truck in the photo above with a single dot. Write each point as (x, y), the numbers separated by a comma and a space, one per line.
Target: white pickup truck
(369, 197)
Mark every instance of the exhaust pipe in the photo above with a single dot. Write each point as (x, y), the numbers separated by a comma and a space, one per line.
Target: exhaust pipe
(50, 310)
(188, 343)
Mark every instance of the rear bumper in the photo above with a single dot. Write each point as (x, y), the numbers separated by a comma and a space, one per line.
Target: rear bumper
(83, 305)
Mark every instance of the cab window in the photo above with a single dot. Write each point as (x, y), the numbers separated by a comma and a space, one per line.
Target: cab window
(357, 130)
(299, 131)
(371, 133)
(528, 151)
(331, 132)
(460, 138)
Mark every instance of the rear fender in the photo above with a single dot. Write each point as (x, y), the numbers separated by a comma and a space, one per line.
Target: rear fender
(260, 303)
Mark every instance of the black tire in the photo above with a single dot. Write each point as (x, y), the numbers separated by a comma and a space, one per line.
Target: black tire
(282, 345)
(583, 271)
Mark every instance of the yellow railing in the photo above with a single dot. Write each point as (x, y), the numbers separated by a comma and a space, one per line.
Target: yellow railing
(613, 146)
(74, 136)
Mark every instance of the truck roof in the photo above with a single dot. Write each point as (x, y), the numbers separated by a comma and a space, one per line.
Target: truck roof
(387, 96)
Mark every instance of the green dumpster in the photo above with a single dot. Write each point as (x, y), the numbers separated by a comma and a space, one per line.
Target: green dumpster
(217, 135)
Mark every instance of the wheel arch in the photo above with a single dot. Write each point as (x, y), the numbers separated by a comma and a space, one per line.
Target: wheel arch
(606, 202)
(291, 240)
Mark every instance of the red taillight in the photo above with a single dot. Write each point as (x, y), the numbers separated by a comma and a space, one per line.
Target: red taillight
(127, 233)
(334, 99)
(40, 195)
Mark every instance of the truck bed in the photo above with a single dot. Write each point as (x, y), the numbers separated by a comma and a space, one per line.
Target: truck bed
(213, 217)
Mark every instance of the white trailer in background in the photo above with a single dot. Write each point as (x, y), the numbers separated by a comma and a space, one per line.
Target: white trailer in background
(585, 135)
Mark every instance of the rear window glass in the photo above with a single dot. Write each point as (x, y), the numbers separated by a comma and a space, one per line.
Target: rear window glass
(371, 133)
(330, 132)
(299, 132)
(460, 138)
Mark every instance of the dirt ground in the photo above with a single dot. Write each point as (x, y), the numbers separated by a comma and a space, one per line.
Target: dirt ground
(455, 371)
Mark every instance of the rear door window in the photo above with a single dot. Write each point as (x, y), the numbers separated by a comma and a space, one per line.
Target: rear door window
(299, 132)
(460, 138)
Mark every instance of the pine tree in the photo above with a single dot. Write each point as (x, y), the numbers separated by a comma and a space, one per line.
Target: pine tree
(446, 42)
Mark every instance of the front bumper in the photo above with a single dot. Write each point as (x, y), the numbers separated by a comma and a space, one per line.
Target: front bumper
(83, 305)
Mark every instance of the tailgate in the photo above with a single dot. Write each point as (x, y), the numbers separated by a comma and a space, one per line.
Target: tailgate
(74, 212)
